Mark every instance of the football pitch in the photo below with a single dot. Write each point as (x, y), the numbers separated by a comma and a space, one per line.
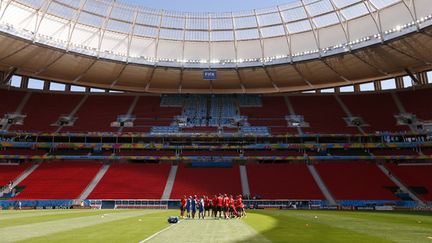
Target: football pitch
(258, 226)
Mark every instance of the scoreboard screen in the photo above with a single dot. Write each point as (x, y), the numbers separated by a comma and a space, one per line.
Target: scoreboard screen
(209, 74)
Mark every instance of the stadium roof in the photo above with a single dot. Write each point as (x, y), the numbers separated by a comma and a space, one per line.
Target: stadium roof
(305, 44)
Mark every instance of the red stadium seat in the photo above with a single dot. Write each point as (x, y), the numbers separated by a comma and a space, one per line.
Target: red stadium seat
(59, 180)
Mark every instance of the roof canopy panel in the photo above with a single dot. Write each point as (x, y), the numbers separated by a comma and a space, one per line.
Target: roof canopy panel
(113, 30)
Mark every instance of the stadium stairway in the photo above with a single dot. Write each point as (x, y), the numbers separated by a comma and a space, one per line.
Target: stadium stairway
(58, 180)
(324, 190)
(417, 102)
(75, 110)
(20, 177)
(398, 183)
(20, 106)
(170, 183)
(327, 117)
(322, 186)
(131, 109)
(25, 174)
(356, 181)
(244, 180)
(381, 117)
(415, 176)
(292, 112)
(347, 111)
(92, 185)
(400, 107)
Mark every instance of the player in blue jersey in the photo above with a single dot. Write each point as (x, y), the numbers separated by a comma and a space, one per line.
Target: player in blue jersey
(194, 206)
(201, 205)
(188, 206)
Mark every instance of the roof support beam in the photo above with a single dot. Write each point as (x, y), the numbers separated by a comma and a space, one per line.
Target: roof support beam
(209, 49)
(370, 64)
(8, 76)
(342, 20)
(303, 77)
(44, 8)
(407, 54)
(158, 37)
(409, 5)
(287, 34)
(130, 35)
(271, 79)
(180, 86)
(375, 15)
(336, 72)
(85, 71)
(209, 23)
(260, 37)
(147, 87)
(118, 76)
(241, 80)
(236, 54)
(313, 27)
(5, 8)
(263, 53)
(73, 22)
(184, 41)
(414, 79)
(103, 28)
(49, 64)
(15, 52)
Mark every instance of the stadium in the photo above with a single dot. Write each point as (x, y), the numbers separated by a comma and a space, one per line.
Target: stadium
(305, 121)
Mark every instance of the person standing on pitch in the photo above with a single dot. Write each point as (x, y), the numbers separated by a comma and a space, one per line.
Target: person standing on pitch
(220, 205)
(201, 214)
(214, 206)
(207, 206)
(188, 206)
(232, 208)
(226, 202)
(240, 206)
(183, 206)
(194, 206)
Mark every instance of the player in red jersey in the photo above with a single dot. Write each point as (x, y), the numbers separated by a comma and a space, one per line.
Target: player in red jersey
(240, 206)
(183, 206)
(214, 206)
(220, 204)
(232, 208)
(226, 205)
(207, 207)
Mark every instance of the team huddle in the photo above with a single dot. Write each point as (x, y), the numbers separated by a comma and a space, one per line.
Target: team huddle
(222, 206)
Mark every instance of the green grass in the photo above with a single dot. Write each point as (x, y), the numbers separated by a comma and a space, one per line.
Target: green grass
(258, 226)
(339, 226)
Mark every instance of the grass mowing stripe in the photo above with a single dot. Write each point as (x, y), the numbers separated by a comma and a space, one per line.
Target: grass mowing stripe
(132, 229)
(209, 230)
(23, 232)
(15, 214)
(46, 217)
(425, 219)
(283, 226)
(159, 232)
(366, 223)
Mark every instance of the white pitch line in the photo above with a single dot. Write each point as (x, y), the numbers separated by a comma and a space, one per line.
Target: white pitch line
(159, 232)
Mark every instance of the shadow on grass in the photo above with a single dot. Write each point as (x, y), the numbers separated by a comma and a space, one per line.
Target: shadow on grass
(282, 226)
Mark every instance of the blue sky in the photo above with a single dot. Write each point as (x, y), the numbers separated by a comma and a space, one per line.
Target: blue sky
(209, 5)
